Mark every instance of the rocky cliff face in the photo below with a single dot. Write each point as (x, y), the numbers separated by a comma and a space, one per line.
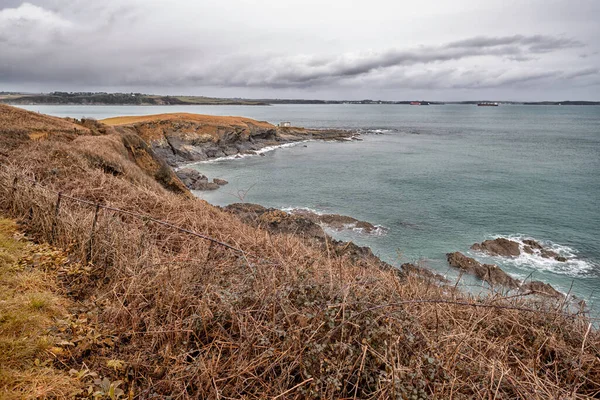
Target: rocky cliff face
(181, 138)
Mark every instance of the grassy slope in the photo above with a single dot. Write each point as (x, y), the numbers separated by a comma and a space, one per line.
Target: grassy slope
(206, 119)
(29, 308)
(197, 321)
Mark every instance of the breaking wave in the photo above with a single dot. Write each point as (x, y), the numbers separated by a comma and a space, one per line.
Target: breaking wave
(573, 267)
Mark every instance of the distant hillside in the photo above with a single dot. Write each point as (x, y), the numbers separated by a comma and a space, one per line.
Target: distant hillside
(84, 98)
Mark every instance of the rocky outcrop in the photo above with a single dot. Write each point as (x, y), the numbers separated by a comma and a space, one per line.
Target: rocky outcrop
(220, 182)
(498, 247)
(489, 273)
(181, 137)
(510, 248)
(336, 221)
(194, 180)
(151, 164)
(542, 288)
(280, 222)
(495, 276)
(421, 272)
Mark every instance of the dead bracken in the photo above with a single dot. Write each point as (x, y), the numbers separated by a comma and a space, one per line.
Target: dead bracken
(154, 311)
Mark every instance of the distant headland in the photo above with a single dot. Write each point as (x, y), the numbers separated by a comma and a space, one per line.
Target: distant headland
(104, 98)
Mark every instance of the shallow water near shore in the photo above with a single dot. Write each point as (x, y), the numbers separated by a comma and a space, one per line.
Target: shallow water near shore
(438, 178)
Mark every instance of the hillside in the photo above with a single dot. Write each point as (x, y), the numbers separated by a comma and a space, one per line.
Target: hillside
(119, 99)
(182, 137)
(170, 296)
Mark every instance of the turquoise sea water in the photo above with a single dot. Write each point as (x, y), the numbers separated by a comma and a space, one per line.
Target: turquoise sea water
(438, 178)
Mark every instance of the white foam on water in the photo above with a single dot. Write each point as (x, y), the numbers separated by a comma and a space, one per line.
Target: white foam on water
(291, 210)
(573, 267)
(376, 131)
(254, 154)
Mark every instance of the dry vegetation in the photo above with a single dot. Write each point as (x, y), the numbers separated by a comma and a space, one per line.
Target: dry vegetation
(284, 320)
(205, 119)
(29, 307)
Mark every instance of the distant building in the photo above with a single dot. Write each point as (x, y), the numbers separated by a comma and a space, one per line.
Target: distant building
(285, 124)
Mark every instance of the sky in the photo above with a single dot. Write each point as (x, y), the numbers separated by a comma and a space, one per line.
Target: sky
(523, 50)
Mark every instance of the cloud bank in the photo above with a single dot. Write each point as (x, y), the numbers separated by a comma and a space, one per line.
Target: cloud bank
(131, 44)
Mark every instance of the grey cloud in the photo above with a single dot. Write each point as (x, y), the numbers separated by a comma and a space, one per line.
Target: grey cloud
(123, 43)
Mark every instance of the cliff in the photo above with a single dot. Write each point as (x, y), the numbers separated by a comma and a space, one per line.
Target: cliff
(181, 137)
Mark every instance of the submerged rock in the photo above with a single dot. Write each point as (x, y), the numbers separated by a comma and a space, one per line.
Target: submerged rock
(489, 273)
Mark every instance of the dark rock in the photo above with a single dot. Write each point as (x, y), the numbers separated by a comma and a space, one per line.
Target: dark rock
(280, 222)
(194, 180)
(421, 272)
(229, 151)
(528, 250)
(489, 273)
(336, 221)
(220, 182)
(498, 247)
(541, 288)
(551, 254)
(533, 244)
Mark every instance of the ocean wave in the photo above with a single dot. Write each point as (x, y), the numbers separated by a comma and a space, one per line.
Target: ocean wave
(376, 131)
(254, 154)
(573, 267)
(291, 210)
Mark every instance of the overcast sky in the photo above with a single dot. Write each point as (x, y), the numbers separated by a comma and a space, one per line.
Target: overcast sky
(326, 49)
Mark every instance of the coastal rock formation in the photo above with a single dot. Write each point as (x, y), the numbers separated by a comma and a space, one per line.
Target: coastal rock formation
(498, 247)
(542, 288)
(336, 221)
(182, 137)
(194, 180)
(281, 222)
(489, 273)
(421, 272)
(495, 276)
(509, 248)
(220, 182)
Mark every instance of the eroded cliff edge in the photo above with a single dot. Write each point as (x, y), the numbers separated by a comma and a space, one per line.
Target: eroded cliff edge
(182, 138)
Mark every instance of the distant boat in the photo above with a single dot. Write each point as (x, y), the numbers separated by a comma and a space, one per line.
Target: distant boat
(487, 104)
(419, 103)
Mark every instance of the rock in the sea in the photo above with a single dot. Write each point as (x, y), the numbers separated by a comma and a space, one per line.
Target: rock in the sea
(498, 247)
(194, 180)
(280, 222)
(552, 254)
(532, 244)
(336, 221)
(489, 273)
(220, 182)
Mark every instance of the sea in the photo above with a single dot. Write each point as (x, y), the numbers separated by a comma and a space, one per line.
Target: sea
(434, 179)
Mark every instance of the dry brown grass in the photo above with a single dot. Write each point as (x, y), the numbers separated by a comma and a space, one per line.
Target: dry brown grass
(14, 119)
(195, 320)
(204, 119)
(29, 307)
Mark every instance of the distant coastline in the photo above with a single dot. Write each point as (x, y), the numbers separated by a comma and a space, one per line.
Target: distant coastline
(120, 99)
